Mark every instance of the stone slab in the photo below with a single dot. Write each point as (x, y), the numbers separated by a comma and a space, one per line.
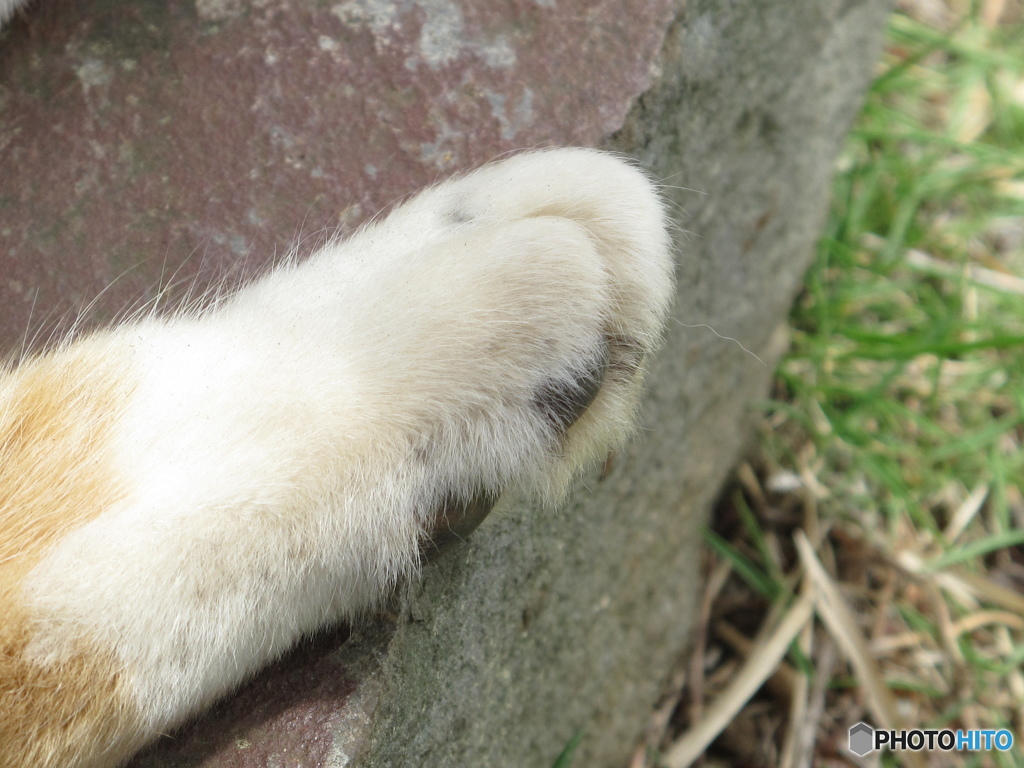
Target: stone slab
(147, 144)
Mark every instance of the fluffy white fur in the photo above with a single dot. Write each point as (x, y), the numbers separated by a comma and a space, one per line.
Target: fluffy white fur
(284, 453)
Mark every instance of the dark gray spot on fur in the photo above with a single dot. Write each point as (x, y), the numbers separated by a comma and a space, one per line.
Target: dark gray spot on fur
(458, 216)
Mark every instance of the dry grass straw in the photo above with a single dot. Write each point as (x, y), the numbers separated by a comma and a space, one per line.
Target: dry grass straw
(869, 562)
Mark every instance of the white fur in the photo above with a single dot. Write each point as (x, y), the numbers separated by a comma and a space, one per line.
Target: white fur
(283, 450)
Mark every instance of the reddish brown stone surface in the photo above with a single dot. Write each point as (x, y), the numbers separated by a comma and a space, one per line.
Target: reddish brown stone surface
(144, 143)
(306, 710)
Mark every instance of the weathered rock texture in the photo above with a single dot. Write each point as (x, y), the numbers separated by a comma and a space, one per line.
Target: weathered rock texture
(161, 143)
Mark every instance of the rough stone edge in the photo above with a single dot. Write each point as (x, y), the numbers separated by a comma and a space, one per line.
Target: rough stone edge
(630, 140)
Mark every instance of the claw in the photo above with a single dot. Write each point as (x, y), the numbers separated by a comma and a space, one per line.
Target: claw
(455, 521)
(563, 403)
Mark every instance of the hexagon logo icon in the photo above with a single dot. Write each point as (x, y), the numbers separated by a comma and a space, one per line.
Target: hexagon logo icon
(862, 739)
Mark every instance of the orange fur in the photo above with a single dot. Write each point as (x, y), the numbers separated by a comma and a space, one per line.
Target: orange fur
(55, 417)
(52, 716)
